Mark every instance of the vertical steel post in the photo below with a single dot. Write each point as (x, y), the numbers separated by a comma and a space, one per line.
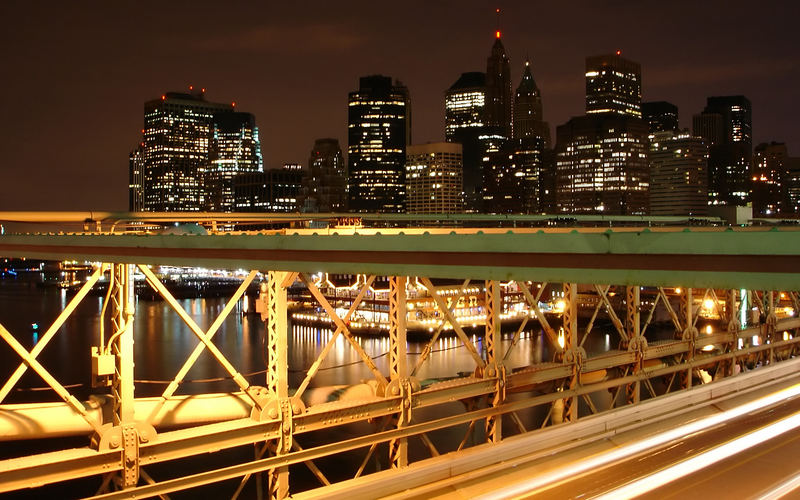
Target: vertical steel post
(494, 306)
(398, 365)
(278, 378)
(689, 334)
(733, 327)
(122, 386)
(570, 327)
(633, 326)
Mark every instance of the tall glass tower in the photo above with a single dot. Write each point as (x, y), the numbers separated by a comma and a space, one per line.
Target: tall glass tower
(613, 85)
(726, 124)
(235, 148)
(175, 150)
(379, 128)
(464, 110)
(528, 119)
(498, 90)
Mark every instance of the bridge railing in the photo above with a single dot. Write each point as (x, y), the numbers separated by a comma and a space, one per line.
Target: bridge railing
(672, 309)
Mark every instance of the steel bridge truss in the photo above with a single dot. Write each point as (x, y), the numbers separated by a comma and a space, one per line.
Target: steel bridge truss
(658, 349)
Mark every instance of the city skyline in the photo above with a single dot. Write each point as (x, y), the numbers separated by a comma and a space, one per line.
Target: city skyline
(77, 80)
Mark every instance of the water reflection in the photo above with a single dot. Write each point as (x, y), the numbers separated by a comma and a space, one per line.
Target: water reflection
(163, 342)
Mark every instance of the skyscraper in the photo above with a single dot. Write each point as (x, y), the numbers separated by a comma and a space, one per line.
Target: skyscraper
(235, 148)
(678, 174)
(498, 91)
(379, 128)
(527, 110)
(433, 178)
(464, 106)
(273, 190)
(175, 150)
(601, 165)
(770, 180)
(136, 180)
(661, 116)
(726, 124)
(613, 85)
(511, 176)
(324, 185)
(601, 158)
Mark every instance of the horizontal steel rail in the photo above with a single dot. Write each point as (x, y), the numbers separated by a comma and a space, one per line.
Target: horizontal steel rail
(750, 259)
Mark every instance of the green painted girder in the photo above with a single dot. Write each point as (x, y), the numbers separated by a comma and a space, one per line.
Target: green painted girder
(752, 258)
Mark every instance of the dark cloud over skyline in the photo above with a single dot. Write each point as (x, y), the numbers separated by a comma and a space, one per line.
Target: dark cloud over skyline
(75, 75)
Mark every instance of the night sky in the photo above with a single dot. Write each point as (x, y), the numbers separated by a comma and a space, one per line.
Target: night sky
(75, 75)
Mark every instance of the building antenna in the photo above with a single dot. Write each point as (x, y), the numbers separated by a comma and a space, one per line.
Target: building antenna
(497, 22)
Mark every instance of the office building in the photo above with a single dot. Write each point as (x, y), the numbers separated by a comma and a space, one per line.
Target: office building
(379, 128)
(273, 190)
(678, 174)
(527, 110)
(324, 184)
(601, 165)
(661, 116)
(175, 150)
(770, 180)
(498, 117)
(511, 176)
(726, 125)
(613, 85)
(793, 186)
(235, 148)
(433, 178)
(464, 106)
(136, 180)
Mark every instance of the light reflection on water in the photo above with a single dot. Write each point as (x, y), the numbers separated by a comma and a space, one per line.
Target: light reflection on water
(163, 342)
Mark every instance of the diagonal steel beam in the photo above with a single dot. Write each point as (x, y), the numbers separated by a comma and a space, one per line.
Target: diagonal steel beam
(327, 349)
(429, 346)
(534, 303)
(453, 321)
(49, 379)
(50, 333)
(610, 310)
(190, 361)
(345, 331)
(243, 384)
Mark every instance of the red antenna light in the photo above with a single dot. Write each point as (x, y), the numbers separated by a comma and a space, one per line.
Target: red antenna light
(163, 97)
(497, 34)
(619, 52)
(191, 87)
(204, 90)
(233, 104)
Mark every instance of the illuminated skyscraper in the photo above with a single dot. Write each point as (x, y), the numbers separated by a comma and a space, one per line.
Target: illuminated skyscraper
(613, 85)
(464, 123)
(433, 178)
(136, 181)
(324, 185)
(511, 176)
(273, 190)
(235, 148)
(498, 91)
(771, 180)
(379, 128)
(601, 165)
(678, 174)
(175, 150)
(726, 124)
(528, 120)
